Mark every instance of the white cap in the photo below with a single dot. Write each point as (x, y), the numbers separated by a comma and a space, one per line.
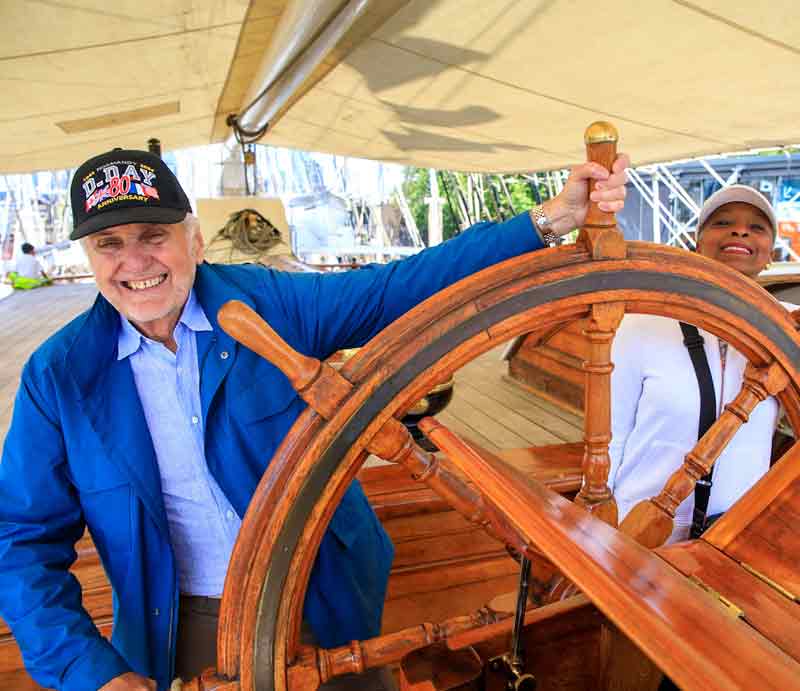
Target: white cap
(737, 193)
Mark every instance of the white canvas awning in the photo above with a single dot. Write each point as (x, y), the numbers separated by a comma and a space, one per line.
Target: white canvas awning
(490, 85)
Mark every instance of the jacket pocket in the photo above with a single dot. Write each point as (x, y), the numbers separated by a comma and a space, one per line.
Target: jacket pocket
(92, 471)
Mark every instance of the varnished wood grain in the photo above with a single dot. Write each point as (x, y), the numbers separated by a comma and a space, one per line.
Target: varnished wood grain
(770, 488)
(764, 608)
(595, 495)
(771, 543)
(664, 615)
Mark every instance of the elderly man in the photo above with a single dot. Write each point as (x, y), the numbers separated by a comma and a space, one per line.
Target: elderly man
(144, 421)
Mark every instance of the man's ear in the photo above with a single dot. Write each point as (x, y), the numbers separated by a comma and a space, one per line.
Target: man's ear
(198, 246)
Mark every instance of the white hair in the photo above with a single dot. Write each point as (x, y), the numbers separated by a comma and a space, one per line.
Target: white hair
(192, 224)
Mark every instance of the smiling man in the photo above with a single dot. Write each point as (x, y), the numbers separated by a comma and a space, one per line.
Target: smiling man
(144, 421)
(146, 272)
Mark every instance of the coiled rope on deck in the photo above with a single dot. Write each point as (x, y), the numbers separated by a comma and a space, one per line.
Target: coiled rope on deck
(248, 232)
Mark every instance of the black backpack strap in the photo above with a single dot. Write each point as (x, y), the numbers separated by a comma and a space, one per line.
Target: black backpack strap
(708, 414)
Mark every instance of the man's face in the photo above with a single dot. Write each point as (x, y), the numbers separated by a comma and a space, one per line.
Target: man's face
(739, 235)
(146, 271)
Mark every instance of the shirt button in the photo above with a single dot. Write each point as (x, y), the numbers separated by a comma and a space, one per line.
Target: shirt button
(224, 354)
(195, 419)
(229, 515)
(180, 370)
(156, 612)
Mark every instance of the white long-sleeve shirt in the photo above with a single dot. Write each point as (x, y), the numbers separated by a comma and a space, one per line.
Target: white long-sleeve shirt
(28, 266)
(655, 410)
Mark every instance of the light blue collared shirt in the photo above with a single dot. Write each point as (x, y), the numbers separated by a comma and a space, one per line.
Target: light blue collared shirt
(203, 524)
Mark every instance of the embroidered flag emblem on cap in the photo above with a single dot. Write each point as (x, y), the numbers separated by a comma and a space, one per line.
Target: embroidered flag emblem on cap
(125, 186)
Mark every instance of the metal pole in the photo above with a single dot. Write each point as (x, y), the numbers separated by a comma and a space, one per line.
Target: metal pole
(713, 173)
(435, 221)
(154, 146)
(680, 191)
(656, 214)
(508, 195)
(519, 616)
(676, 227)
(271, 97)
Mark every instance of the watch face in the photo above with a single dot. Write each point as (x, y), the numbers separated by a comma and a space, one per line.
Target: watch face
(541, 218)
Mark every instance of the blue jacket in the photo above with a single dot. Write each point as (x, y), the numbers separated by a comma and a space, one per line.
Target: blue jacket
(78, 453)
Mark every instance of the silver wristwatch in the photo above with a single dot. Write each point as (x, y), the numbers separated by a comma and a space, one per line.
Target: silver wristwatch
(542, 223)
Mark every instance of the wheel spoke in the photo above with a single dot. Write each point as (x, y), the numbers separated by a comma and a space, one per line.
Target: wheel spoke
(595, 495)
(317, 383)
(207, 681)
(601, 237)
(394, 443)
(315, 666)
(650, 522)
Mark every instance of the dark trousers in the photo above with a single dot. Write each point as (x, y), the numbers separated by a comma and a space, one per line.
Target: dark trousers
(197, 648)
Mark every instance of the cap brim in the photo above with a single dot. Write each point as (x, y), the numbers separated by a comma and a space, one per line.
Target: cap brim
(121, 217)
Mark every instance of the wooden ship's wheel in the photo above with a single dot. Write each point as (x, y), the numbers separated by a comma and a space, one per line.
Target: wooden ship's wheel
(639, 610)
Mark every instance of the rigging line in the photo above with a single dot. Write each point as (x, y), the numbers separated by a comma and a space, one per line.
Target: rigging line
(563, 101)
(125, 41)
(738, 27)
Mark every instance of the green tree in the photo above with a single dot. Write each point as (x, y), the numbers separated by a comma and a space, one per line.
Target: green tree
(501, 197)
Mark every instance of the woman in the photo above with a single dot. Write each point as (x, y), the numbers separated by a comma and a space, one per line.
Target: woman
(655, 391)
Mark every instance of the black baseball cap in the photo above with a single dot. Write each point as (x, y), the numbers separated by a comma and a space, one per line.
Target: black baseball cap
(125, 186)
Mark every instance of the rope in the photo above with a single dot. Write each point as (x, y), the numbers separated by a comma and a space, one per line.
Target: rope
(242, 135)
(248, 232)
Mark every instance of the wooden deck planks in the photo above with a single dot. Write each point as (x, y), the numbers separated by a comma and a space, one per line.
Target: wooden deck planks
(28, 318)
(498, 414)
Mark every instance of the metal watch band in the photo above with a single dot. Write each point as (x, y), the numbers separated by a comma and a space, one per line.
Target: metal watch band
(542, 224)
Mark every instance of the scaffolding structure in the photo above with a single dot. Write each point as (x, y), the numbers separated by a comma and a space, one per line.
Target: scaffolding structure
(673, 193)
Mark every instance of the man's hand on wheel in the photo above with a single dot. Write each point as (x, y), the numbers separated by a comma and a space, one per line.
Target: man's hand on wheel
(130, 681)
(568, 210)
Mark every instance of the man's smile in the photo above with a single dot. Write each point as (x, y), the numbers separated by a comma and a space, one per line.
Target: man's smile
(145, 283)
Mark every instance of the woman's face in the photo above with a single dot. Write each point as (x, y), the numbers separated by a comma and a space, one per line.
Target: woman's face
(739, 235)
